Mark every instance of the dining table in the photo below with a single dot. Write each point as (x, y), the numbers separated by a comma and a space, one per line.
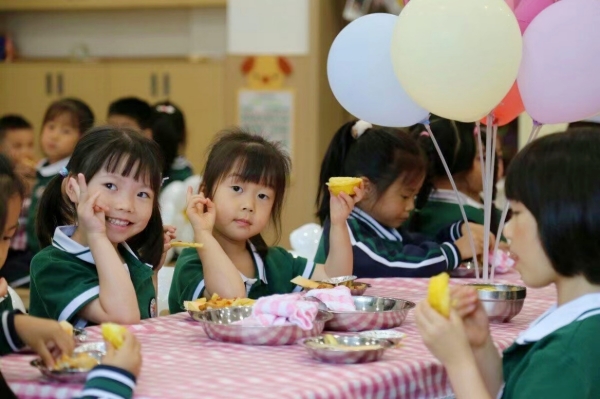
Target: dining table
(180, 361)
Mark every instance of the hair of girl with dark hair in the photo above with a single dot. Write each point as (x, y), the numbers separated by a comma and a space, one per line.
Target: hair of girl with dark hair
(173, 114)
(557, 178)
(253, 159)
(116, 150)
(80, 114)
(134, 108)
(10, 184)
(379, 154)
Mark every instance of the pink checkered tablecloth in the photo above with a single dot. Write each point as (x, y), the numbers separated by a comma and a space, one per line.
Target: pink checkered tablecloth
(181, 362)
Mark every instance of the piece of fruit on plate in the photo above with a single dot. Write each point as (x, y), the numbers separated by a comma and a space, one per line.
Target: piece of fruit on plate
(113, 333)
(345, 184)
(438, 293)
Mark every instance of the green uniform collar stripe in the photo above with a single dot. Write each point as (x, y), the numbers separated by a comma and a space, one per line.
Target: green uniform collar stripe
(444, 195)
(381, 230)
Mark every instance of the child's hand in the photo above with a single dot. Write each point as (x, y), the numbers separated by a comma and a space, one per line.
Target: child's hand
(200, 219)
(44, 336)
(464, 245)
(128, 357)
(467, 305)
(445, 338)
(169, 234)
(25, 168)
(3, 287)
(340, 206)
(90, 212)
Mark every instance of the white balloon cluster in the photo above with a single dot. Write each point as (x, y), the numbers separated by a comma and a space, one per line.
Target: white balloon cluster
(305, 240)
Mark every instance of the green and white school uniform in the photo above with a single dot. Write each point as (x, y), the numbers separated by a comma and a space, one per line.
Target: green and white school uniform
(557, 356)
(180, 170)
(442, 209)
(45, 172)
(274, 275)
(64, 279)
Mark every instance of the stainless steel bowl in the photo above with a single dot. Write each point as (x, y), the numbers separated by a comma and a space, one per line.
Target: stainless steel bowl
(339, 280)
(372, 313)
(501, 302)
(218, 325)
(391, 335)
(467, 270)
(357, 288)
(95, 349)
(318, 349)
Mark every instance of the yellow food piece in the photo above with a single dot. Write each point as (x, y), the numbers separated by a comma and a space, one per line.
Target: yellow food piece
(304, 282)
(186, 244)
(329, 339)
(67, 327)
(345, 184)
(113, 333)
(216, 302)
(78, 361)
(438, 294)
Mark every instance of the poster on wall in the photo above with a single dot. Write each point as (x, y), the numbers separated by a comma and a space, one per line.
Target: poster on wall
(269, 113)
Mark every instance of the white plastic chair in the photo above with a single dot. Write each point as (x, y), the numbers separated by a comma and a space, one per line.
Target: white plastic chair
(305, 240)
(165, 276)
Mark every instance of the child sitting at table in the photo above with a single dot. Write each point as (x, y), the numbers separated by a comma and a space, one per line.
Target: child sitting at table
(553, 186)
(393, 169)
(132, 113)
(101, 269)
(242, 190)
(46, 337)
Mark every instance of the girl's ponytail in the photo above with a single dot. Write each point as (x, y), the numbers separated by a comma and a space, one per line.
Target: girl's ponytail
(333, 165)
(53, 211)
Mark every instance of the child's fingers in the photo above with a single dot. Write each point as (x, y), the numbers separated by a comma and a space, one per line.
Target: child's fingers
(83, 189)
(75, 187)
(188, 195)
(45, 355)
(210, 206)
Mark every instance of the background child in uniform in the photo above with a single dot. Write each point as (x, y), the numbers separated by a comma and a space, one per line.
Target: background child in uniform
(132, 113)
(110, 187)
(16, 143)
(244, 180)
(170, 132)
(64, 123)
(47, 337)
(393, 169)
(553, 186)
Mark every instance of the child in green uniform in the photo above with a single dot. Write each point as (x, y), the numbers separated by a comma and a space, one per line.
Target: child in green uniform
(553, 186)
(64, 123)
(102, 268)
(170, 132)
(115, 377)
(243, 188)
(459, 144)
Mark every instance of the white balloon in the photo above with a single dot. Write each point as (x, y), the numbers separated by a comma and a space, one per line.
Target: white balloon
(305, 240)
(194, 182)
(174, 194)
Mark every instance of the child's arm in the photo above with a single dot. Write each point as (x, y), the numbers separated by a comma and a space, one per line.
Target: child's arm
(340, 258)
(220, 274)
(117, 301)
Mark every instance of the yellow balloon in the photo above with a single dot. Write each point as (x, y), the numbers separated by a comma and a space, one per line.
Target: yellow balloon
(457, 58)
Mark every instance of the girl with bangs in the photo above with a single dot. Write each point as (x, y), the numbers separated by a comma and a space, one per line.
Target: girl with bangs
(243, 187)
(99, 221)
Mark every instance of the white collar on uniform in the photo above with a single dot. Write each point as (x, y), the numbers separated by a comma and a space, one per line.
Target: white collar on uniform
(443, 195)
(52, 169)
(558, 317)
(62, 240)
(259, 265)
(180, 163)
(382, 231)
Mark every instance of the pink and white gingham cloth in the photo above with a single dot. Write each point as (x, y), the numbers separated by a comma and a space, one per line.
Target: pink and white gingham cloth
(279, 310)
(338, 299)
(503, 261)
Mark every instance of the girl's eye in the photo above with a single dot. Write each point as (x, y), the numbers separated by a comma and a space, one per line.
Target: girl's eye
(144, 195)
(237, 189)
(263, 196)
(110, 186)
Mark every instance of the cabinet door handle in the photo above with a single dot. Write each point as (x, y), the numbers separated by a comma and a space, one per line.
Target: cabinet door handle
(59, 83)
(48, 84)
(153, 85)
(166, 84)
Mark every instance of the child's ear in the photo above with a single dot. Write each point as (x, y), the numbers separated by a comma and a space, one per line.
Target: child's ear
(68, 189)
(369, 187)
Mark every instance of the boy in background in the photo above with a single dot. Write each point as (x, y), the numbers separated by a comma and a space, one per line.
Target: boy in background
(131, 112)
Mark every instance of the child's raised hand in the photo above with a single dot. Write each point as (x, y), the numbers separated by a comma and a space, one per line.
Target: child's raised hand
(3, 287)
(44, 336)
(467, 305)
(169, 234)
(341, 205)
(201, 219)
(128, 357)
(90, 212)
(464, 245)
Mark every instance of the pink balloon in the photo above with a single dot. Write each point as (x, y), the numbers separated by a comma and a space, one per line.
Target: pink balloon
(511, 4)
(558, 77)
(527, 10)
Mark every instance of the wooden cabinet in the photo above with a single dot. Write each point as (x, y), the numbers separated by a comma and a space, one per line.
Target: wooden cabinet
(47, 5)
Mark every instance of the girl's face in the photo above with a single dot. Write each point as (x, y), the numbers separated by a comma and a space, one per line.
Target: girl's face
(526, 249)
(59, 138)
(130, 202)
(474, 177)
(243, 208)
(393, 207)
(13, 210)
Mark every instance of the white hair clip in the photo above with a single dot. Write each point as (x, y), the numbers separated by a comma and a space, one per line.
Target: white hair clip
(359, 128)
(166, 109)
(164, 180)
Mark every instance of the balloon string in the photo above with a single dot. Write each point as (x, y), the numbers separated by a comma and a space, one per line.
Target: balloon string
(458, 197)
(478, 132)
(487, 198)
(532, 136)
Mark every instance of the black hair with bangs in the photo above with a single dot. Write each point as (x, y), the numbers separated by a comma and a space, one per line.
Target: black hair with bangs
(557, 178)
(253, 159)
(379, 154)
(108, 148)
